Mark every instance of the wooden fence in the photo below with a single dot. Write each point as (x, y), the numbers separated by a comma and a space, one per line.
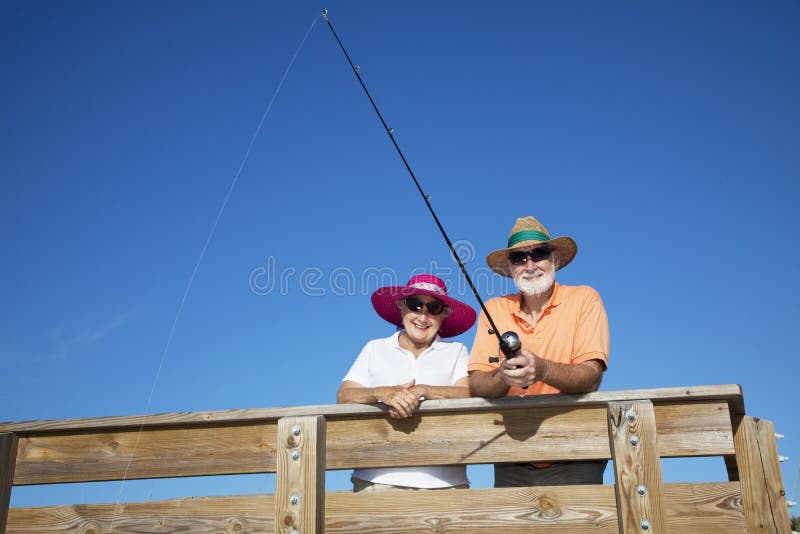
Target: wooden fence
(632, 428)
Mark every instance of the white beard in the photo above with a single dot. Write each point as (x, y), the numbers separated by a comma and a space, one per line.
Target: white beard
(535, 285)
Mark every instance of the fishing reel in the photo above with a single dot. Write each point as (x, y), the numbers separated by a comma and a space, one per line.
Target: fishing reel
(509, 345)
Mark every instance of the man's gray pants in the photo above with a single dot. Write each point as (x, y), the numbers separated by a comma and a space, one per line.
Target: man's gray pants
(557, 474)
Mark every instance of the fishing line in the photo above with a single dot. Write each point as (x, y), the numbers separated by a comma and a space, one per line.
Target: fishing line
(200, 260)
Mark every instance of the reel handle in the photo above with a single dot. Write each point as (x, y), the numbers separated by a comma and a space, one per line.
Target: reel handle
(509, 346)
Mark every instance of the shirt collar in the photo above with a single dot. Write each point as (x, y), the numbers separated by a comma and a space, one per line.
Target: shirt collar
(437, 341)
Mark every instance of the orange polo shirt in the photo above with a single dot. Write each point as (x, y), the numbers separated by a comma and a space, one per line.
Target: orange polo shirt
(573, 329)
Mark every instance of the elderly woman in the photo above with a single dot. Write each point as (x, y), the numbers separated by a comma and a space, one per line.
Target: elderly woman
(410, 365)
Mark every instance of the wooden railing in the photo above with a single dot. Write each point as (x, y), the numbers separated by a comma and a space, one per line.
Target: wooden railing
(632, 428)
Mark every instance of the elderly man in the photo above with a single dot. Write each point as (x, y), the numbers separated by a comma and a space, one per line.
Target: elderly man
(564, 335)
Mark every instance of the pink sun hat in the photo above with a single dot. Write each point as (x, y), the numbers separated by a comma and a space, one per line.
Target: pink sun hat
(461, 317)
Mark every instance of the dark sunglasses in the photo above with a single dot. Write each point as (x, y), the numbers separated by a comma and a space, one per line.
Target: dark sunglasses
(537, 254)
(434, 307)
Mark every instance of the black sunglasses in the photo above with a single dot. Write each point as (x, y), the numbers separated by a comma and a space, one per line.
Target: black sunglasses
(537, 254)
(434, 307)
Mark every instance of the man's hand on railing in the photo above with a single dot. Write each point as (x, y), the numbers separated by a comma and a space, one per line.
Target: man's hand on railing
(527, 369)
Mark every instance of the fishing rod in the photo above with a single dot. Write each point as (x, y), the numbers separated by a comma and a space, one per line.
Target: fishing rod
(509, 341)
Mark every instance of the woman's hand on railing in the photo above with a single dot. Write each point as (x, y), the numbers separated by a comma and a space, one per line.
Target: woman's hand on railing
(402, 400)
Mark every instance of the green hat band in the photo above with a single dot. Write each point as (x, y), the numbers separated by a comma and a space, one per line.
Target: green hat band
(527, 235)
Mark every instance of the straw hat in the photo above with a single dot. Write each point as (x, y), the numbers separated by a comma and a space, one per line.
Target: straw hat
(527, 234)
(461, 317)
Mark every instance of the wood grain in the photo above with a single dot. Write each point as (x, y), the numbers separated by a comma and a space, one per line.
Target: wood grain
(701, 428)
(154, 453)
(637, 467)
(757, 509)
(300, 489)
(542, 434)
(8, 460)
(574, 509)
(773, 481)
(705, 508)
(480, 437)
(730, 393)
(678, 422)
(208, 515)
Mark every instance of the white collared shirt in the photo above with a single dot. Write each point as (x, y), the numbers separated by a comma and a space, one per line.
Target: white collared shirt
(383, 362)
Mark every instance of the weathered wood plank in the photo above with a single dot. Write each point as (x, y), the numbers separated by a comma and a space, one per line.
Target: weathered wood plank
(206, 515)
(757, 510)
(554, 433)
(637, 467)
(573, 509)
(694, 429)
(440, 439)
(161, 452)
(730, 393)
(773, 480)
(705, 508)
(300, 491)
(8, 460)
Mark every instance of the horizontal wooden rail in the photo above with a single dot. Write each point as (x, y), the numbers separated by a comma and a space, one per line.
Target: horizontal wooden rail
(700, 428)
(730, 393)
(697, 508)
(634, 429)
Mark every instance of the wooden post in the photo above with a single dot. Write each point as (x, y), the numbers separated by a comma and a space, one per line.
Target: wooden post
(637, 467)
(8, 460)
(300, 491)
(758, 513)
(759, 476)
(768, 446)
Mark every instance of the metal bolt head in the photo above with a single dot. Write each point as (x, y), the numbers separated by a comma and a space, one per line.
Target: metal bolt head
(294, 499)
(645, 524)
(296, 430)
(295, 455)
(641, 490)
(634, 440)
(630, 415)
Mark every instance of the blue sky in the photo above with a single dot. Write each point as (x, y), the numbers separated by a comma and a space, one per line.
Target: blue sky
(662, 138)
